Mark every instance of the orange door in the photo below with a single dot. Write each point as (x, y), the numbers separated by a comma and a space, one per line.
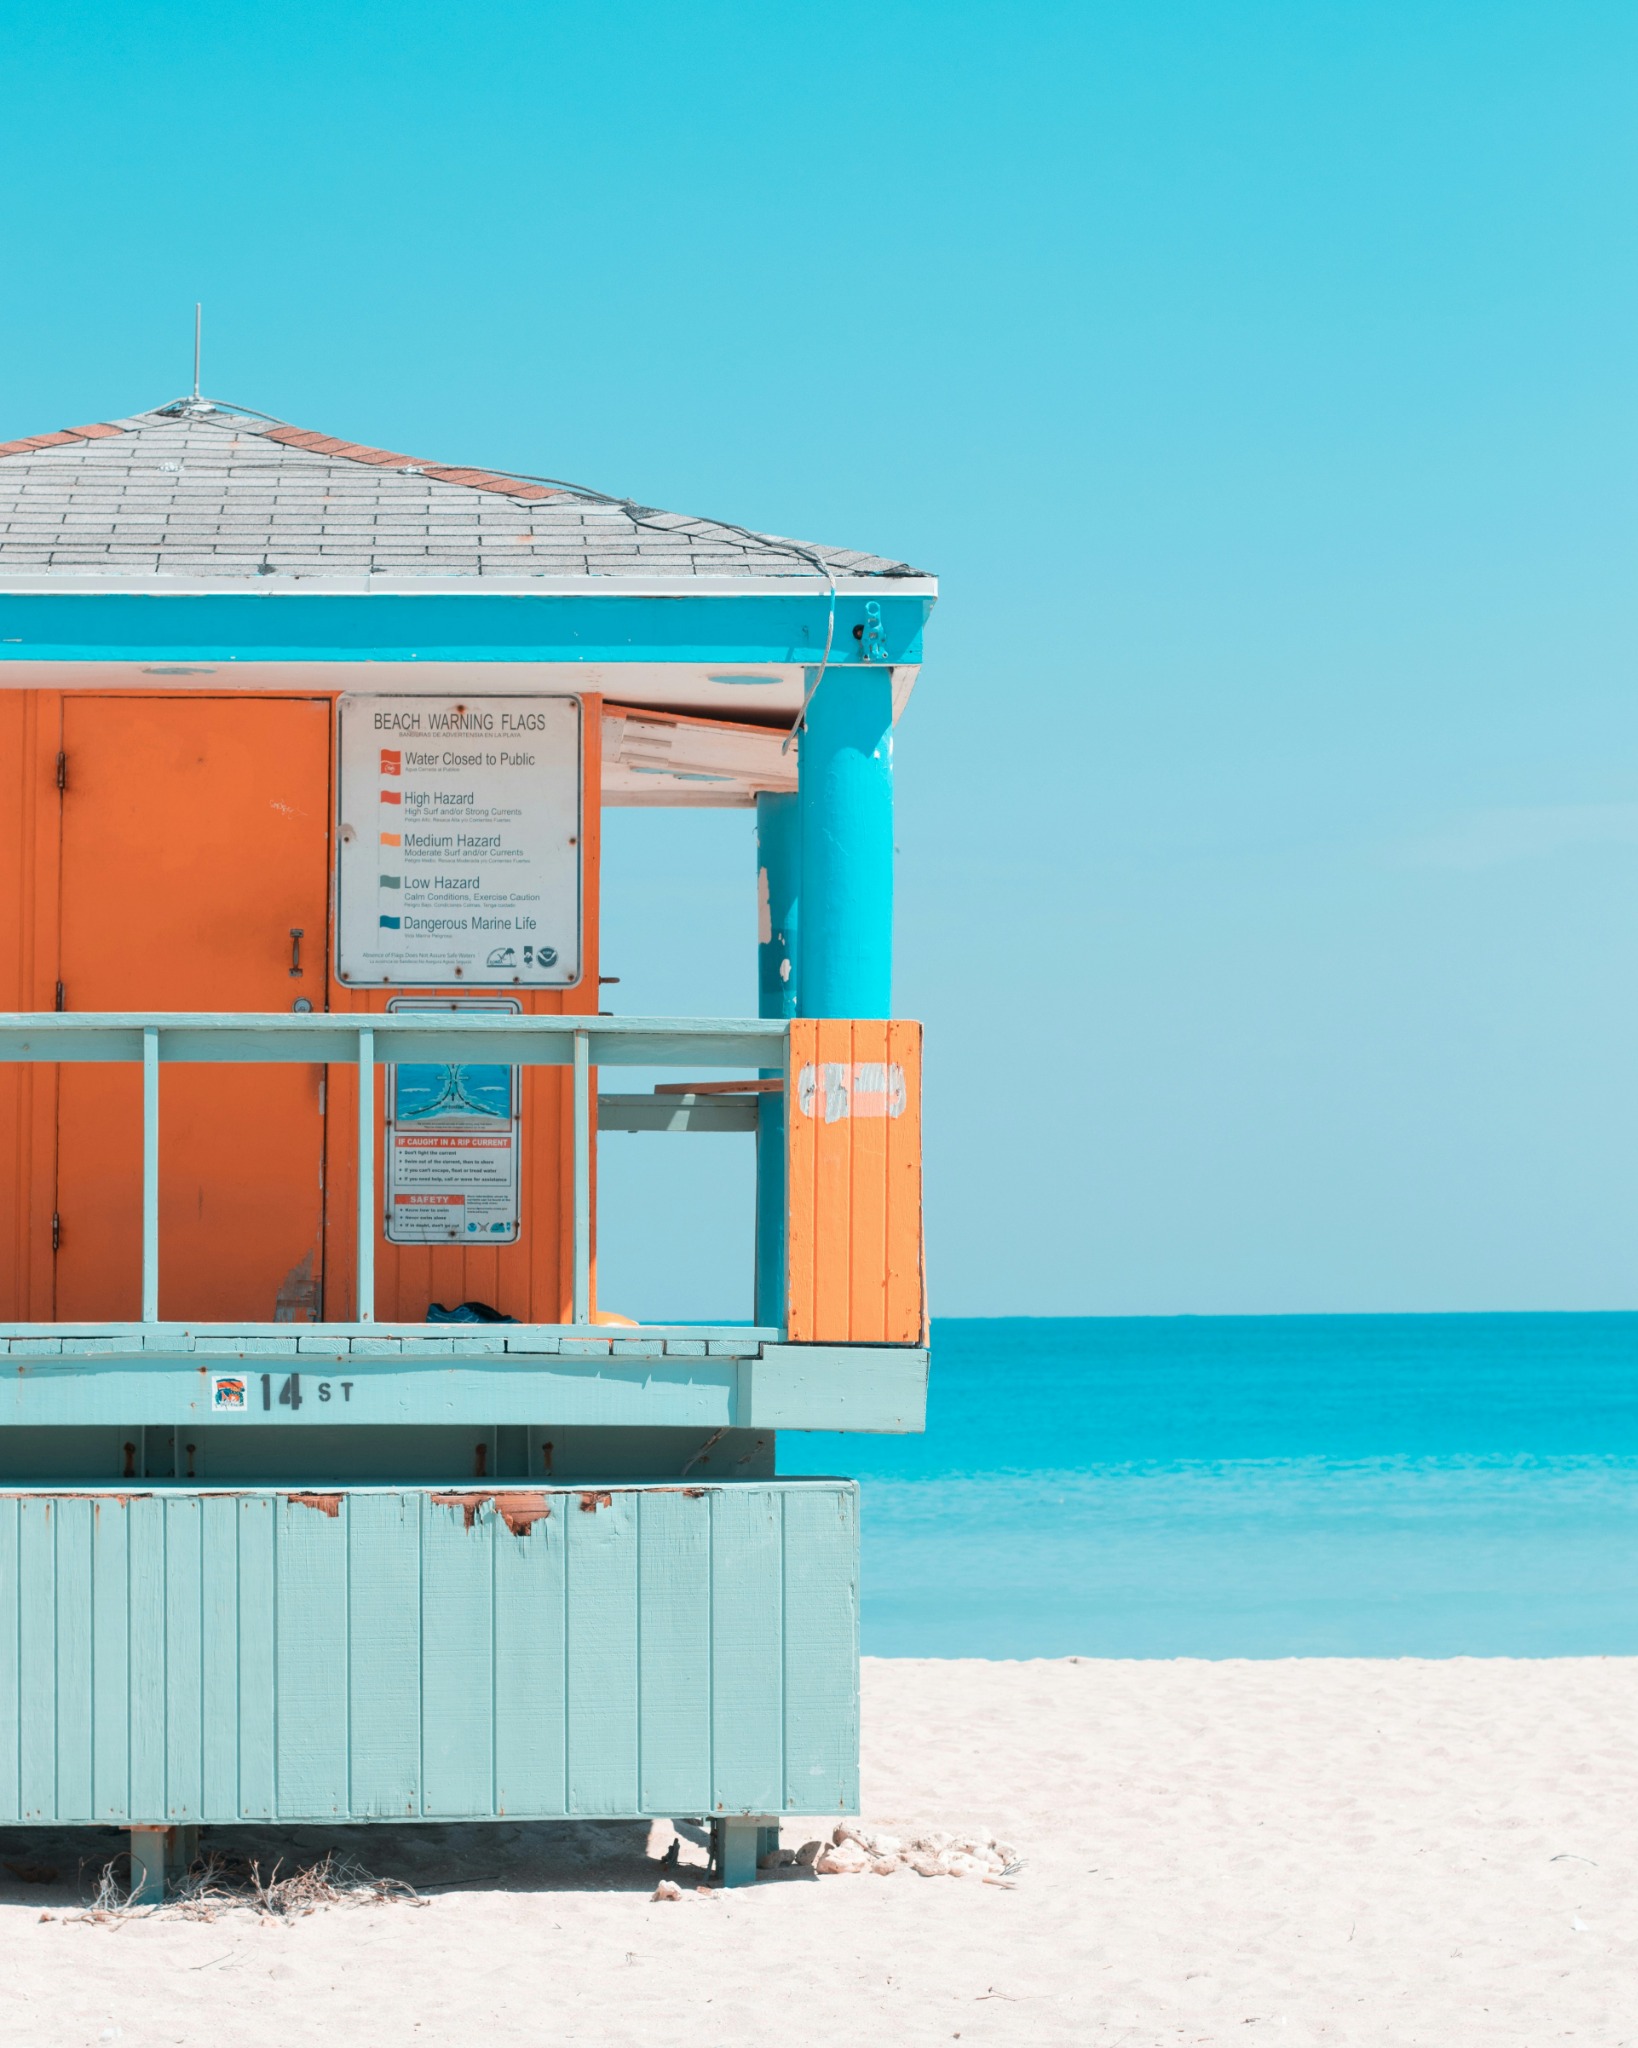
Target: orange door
(195, 840)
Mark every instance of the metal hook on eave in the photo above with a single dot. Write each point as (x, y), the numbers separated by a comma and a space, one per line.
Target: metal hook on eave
(872, 636)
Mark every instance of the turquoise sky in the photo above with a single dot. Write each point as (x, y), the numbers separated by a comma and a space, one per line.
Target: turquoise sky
(1260, 379)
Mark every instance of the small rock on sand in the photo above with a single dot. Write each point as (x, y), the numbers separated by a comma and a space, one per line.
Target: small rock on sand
(937, 1853)
(845, 1859)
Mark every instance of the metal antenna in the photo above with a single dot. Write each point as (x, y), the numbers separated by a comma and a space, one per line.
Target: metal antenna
(194, 407)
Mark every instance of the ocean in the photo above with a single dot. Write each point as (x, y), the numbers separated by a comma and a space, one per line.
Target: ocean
(1246, 1486)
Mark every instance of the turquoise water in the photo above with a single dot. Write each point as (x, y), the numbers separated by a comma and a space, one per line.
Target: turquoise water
(1378, 1486)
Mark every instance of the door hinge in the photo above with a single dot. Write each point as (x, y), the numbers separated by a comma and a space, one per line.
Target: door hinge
(62, 771)
(56, 1230)
(59, 995)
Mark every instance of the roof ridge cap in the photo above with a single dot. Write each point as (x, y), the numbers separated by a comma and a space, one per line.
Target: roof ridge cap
(64, 437)
(464, 475)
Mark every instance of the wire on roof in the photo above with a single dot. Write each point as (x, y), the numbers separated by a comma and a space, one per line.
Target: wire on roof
(645, 516)
(639, 515)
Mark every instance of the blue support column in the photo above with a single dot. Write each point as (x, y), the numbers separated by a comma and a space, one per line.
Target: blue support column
(778, 891)
(846, 797)
(735, 1848)
(778, 894)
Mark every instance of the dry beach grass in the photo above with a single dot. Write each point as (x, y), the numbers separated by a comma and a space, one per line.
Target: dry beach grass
(1326, 1851)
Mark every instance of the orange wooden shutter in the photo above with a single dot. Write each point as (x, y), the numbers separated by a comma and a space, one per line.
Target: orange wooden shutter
(854, 1266)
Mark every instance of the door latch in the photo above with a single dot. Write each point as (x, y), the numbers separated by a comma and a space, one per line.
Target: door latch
(295, 948)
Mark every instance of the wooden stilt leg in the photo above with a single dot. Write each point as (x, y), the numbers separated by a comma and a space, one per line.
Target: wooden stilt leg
(158, 1857)
(734, 1850)
(148, 1847)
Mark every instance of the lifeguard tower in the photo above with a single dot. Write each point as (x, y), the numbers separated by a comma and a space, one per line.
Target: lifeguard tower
(304, 749)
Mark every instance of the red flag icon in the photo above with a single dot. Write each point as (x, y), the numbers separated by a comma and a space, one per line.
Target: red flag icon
(392, 761)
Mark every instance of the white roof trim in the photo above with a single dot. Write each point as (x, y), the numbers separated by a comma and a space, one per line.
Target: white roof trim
(16, 583)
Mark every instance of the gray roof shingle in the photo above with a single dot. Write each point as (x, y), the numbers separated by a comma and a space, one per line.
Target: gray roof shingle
(205, 492)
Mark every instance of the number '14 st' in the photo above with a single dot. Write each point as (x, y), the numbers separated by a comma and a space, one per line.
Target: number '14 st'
(290, 1394)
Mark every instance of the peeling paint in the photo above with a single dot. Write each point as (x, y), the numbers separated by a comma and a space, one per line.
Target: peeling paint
(326, 1503)
(591, 1502)
(468, 1503)
(297, 1300)
(519, 1511)
(869, 1088)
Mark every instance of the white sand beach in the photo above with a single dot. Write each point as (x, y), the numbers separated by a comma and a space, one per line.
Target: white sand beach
(1326, 1851)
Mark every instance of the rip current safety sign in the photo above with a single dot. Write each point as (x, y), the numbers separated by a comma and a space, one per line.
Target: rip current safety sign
(458, 842)
(454, 1147)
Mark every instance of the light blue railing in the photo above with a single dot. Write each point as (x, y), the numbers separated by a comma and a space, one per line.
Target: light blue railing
(366, 1041)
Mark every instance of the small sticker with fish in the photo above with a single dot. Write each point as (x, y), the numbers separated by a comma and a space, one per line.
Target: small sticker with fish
(227, 1390)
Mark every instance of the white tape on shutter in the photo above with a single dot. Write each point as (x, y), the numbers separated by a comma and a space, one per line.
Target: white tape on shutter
(870, 1088)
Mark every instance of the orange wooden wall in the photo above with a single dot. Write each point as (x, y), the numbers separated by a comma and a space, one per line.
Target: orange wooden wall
(169, 945)
(30, 837)
(854, 1261)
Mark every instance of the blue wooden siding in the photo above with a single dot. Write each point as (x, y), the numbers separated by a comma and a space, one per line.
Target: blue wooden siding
(171, 1655)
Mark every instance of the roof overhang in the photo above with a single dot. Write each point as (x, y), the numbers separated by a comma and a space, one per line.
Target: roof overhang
(726, 664)
(780, 627)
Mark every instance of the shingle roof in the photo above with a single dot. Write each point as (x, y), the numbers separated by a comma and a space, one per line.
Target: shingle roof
(206, 493)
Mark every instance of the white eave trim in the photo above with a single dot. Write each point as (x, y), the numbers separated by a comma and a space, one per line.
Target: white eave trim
(45, 583)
